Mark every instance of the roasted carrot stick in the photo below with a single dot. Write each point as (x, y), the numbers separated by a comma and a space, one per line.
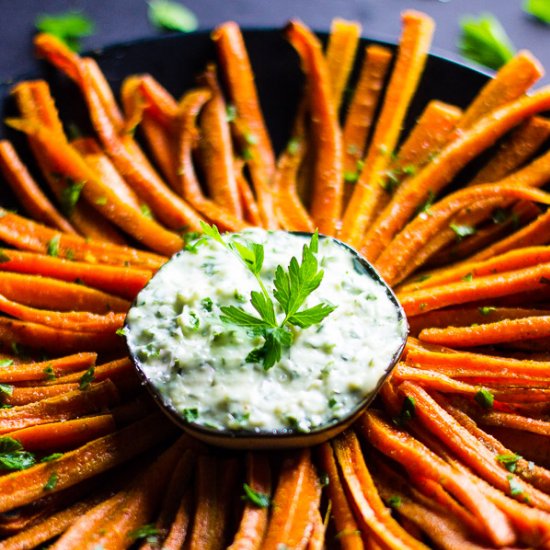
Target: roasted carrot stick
(327, 193)
(116, 370)
(374, 516)
(254, 519)
(217, 149)
(22, 371)
(347, 529)
(361, 110)
(444, 167)
(30, 394)
(297, 495)
(23, 233)
(250, 209)
(27, 191)
(340, 55)
(177, 535)
(251, 130)
(43, 292)
(121, 281)
(413, 49)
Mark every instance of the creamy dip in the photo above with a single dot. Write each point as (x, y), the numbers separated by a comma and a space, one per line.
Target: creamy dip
(199, 362)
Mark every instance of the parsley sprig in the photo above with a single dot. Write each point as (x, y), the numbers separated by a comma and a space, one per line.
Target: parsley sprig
(292, 287)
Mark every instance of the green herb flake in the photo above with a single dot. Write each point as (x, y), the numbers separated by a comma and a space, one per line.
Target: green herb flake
(101, 201)
(6, 389)
(49, 373)
(230, 113)
(509, 461)
(486, 310)
(4, 257)
(86, 379)
(462, 230)
(469, 277)
(172, 16)
(408, 411)
(422, 278)
(394, 501)
(207, 304)
(52, 482)
(293, 145)
(70, 196)
(539, 9)
(247, 154)
(147, 532)
(516, 488)
(483, 40)
(250, 138)
(51, 458)
(261, 500)
(69, 27)
(425, 208)
(485, 399)
(191, 241)
(6, 362)
(146, 211)
(12, 455)
(351, 177)
(53, 246)
(324, 479)
(120, 332)
(190, 415)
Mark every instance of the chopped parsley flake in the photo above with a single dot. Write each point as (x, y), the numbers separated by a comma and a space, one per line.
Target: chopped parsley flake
(509, 461)
(485, 399)
(260, 500)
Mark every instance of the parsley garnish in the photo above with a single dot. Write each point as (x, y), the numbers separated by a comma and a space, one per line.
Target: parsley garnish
(86, 379)
(53, 246)
(13, 456)
(69, 27)
(486, 310)
(190, 415)
(4, 257)
(509, 461)
(6, 362)
(52, 482)
(172, 16)
(425, 208)
(293, 145)
(292, 287)
(230, 113)
(191, 240)
(484, 41)
(259, 499)
(408, 411)
(52, 457)
(462, 230)
(70, 196)
(539, 9)
(146, 211)
(101, 201)
(49, 373)
(394, 501)
(6, 389)
(516, 488)
(148, 532)
(469, 277)
(207, 304)
(485, 399)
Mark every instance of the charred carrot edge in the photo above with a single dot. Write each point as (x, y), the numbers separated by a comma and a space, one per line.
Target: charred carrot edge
(44, 292)
(100, 194)
(177, 535)
(372, 513)
(468, 448)
(347, 529)
(290, 211)
(65, 434)
(510, 83)
(414, 44)
(122, 281)
(22, 233)
(360, 113)
(48, 528)
(97, 456)
(252, 132)
(297, 495)
(217, 150)
(59, 408)
(394, 258)
(435, 175)
(17, 372)
(507, 330)
(408, 451)
(251, 212)
(522, 144)
(253, 522)
(77, 320)
(40, 337)
(327, 192)
(340, 55)
(490, 286)
(190, 107)
(28, 192)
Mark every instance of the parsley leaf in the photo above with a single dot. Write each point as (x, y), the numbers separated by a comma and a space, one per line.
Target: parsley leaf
(485, 399)
(13, 456)
(3, 257)
(486, 310)
(86, 379)
(516, 488)
(70, 196)
(408, 411)
(394, 501)
(49, 373)
(69, 27)
(255, 497)
(509, 461)
(6, 389)
(52, 457)
(190, 415)
(462, 231)
(539, 9)
(148, 532)
(172, 16)
(51, 483)
(6, 362)
(484, 41)
(53, 246)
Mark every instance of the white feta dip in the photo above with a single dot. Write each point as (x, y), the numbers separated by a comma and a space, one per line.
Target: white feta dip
(201, 363)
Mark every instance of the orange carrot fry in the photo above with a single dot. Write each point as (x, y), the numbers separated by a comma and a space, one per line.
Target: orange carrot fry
(254, 519)
(340, 55)
(177, 534)
(435, 175)
(297, 496)
(250, 208)
(252, 133)
(414, 44)
(30, 394)
(28, 192)
(361, 110)
(327, 194)
(63, 435)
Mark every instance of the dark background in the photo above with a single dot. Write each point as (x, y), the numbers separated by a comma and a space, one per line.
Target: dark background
(123, 20)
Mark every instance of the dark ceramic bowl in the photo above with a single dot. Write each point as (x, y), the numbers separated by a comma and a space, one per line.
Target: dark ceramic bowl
(243, 439)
